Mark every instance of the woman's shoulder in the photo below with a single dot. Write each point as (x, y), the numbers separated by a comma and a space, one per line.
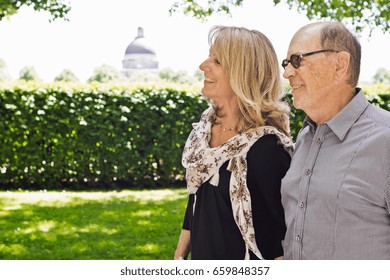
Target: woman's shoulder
(270, 137)
(268, 147)
(266, 141)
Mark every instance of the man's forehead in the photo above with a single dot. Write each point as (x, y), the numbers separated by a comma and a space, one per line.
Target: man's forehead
(307, 35)
(305, 40)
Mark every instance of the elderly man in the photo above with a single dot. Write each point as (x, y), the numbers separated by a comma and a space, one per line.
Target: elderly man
(336, 194)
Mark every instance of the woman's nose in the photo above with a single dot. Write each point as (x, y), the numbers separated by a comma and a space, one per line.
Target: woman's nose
(203, 65)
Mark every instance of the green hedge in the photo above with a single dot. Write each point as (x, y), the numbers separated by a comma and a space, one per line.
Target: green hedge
(102, 135)
(63, 135)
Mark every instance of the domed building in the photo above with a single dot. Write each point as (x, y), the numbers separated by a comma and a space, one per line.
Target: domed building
(139, 55)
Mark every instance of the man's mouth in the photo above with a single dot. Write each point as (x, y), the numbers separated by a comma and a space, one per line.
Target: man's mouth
(294, 87)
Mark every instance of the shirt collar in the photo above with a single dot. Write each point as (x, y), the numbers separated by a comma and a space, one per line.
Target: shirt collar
(308, 122)
(343, 121)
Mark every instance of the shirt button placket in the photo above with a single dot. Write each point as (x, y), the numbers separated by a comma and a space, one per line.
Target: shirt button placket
(305, 181)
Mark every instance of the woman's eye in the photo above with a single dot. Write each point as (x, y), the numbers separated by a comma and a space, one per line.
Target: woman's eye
(217, 61)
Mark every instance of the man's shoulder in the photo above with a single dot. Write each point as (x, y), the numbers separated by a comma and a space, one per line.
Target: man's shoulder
(379, 116)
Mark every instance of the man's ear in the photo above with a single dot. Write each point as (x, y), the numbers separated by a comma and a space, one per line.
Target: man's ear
(342, 65)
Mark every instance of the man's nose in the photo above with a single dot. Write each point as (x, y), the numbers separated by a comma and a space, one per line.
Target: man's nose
(289, 71)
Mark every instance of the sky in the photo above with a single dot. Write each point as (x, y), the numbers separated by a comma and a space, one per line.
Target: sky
(98, 32)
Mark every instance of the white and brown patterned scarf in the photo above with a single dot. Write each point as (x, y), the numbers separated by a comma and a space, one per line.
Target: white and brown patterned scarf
(202, 163)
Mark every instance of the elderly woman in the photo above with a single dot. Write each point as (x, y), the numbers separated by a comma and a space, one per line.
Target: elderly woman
(237, 154)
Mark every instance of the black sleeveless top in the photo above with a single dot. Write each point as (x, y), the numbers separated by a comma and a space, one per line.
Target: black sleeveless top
(214, 233)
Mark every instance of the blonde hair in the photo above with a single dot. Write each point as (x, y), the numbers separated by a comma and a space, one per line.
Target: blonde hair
(250, 61)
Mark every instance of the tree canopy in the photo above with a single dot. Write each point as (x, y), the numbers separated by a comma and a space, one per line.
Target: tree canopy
(180, 77)
(4, 76)
(28, 73)
(56, 8)
(382, 75)
(106, 73)
(360, 14)
(66, 76)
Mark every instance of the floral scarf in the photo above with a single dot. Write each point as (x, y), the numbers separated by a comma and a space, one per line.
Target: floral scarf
(202, 163)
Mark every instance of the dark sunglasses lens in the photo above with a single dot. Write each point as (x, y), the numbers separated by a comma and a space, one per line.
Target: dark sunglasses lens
(295, 60)
(285, 63)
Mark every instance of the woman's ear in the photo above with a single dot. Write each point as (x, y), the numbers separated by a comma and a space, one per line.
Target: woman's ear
(342, 65)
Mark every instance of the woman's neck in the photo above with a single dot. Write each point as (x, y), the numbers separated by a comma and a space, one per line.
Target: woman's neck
(228, 116)
(225, 125)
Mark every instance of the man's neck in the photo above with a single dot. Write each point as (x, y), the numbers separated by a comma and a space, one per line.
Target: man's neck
(337, 102)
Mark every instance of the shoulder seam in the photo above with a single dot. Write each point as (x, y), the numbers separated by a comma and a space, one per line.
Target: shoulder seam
(368, 116)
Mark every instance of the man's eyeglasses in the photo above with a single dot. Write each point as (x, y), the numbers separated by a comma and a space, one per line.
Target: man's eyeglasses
(295, 59)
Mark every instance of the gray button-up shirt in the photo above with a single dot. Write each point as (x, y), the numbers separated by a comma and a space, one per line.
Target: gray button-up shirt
(336, 194)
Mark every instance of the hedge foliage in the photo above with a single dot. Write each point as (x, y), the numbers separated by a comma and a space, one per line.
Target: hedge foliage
(101, 135)
(65, 135)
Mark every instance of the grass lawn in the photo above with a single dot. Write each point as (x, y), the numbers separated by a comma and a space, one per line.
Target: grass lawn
(132, 225)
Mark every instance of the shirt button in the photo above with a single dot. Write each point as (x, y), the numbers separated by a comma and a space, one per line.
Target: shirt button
(298, 238)
(307, 172)
(318, 141)
(301, 205)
